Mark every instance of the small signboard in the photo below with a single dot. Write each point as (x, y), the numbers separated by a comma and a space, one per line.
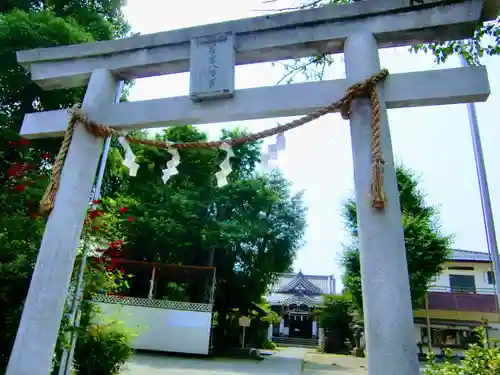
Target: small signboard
(245, 321)
(212, 64)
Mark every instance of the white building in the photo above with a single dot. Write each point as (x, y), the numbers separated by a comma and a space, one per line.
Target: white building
(459, 300)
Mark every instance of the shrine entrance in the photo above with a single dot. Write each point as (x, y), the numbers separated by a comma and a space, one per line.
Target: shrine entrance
(210, 53)
(301, 326)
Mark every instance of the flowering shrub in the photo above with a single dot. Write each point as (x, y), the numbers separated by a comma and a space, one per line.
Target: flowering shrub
(24, 175)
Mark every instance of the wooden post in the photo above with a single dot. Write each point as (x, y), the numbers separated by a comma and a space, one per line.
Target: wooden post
(243, 338)
(38, 330)
(152, 283)
(390, 341)
(428, 322)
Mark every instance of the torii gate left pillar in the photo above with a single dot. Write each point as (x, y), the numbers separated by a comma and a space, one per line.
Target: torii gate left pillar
(387, 23)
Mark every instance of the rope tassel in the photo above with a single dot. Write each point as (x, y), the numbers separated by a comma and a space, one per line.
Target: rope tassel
(377, 183)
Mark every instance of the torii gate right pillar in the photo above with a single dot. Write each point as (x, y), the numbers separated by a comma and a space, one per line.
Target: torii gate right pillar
(388, 314)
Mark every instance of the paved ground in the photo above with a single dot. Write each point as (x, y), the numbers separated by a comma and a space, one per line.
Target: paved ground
(332, 364)
(285, 362)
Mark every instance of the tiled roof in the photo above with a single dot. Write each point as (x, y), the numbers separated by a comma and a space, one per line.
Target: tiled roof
(468, 255)
(300, 284)
(300, 300)
(325, 283)
(280, 298)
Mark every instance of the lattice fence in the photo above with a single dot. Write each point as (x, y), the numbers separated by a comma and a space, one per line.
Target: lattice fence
(156, 303)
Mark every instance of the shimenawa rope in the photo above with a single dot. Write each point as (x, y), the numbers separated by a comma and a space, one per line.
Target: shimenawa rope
(363, 89)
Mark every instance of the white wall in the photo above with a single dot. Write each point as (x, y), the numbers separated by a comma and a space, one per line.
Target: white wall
(480, 273)
(164, 330)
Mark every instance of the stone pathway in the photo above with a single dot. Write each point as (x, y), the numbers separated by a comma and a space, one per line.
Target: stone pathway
(286, 362)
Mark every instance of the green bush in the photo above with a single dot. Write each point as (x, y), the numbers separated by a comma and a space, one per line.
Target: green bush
(268, 344)
(103, 349)
(479, 359)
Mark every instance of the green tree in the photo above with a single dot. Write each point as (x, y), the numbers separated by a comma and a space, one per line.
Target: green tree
(249, 229)
(28, 24)
(336, 317)
(426, 247)
(484, 41)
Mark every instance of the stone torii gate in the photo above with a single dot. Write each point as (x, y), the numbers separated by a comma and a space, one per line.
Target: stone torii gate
(210, 53)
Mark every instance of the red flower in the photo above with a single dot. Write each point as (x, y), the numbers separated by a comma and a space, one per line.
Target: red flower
(96, 201)
(24, 142)
(17, 169)
(131, 219)
(46, 155)
(123, 210)
(12, 143)
(95, 213)
(96, 228)
(116, 244)
(122, 270)
(19, 188)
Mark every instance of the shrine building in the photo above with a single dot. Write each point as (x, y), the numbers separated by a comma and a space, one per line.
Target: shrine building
(294, 297)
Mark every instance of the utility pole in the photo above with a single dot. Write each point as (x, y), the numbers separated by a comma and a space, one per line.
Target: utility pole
(489, 224)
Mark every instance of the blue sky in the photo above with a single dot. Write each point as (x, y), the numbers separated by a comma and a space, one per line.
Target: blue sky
(433, 141)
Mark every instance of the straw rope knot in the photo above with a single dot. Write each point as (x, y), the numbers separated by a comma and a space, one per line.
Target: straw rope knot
(364, 89)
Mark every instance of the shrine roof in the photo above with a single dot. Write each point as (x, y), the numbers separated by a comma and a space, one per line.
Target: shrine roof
(283, 299)
(301, 284)
(301, 300)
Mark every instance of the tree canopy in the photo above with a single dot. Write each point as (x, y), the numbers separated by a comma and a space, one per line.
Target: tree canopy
(426, 247)
(249, 230)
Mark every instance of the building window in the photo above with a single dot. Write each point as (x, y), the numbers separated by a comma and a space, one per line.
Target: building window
(463, 283)
(461, 268)
(452, 338)
(491, 277)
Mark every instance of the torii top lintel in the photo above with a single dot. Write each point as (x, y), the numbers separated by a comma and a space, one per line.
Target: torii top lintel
(260, 39)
